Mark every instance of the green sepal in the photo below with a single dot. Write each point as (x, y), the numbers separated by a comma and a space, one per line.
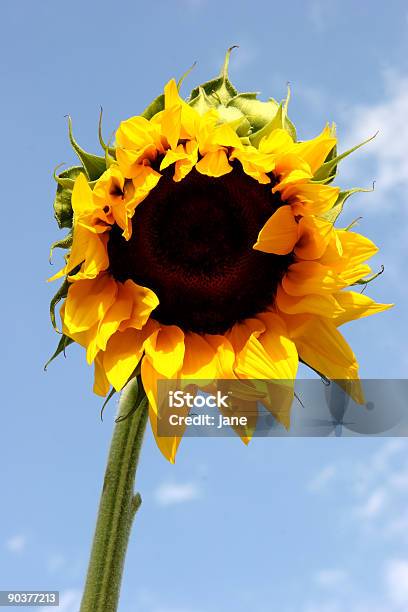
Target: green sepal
(66, 178)
(94, 165)
(109, 151)
(353, 224)
(365, 281)
(280, 120)
(64, 243)
(202, 102)
(234, 118)
(220, 89)
(62, 204)
(332, 214)
(185, 75)
(60, 295)
(62, 345)
(257, 112)
(327, 171)
(154, 107)
(111, 394)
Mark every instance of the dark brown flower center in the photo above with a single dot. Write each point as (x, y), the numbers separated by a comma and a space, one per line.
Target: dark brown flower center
(192, 245)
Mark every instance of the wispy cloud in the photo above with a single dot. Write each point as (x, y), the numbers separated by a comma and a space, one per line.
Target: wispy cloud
(169, 493)
(389, 150)
(322, 478)
(373, 505)
(16, 544)
(396, 576)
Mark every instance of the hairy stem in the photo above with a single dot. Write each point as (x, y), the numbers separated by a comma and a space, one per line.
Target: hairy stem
(118, 504)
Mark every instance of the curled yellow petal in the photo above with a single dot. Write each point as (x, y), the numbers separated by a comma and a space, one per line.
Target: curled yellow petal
(279, 234)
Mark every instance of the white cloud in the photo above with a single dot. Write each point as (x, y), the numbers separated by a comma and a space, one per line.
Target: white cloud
(69, 601)
(331, 578)
(382, 458)
(322, 478)
(389, 150)
(16, 544)
(373, 505)
(176, 493)
(396, 578)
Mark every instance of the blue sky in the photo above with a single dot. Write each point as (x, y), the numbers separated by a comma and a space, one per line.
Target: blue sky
(295, 525)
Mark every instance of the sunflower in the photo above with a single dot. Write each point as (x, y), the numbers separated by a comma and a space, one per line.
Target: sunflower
(203, 246)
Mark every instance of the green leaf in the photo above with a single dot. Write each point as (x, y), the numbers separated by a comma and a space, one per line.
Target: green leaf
(257, 112)
(94, 165)
(62, 345)
(220, 89)
(332, 214)
(60, 295)
(64, 243)
(154, 107)
(327, 170)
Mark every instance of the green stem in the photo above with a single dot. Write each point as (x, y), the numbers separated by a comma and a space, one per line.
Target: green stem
(118, 504)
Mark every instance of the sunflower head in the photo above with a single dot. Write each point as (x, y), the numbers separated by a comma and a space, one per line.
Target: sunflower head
(203, 244)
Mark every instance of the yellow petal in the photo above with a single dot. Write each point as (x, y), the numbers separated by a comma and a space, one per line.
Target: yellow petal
(323, 348)
(268, 354)
(171, 125)
(323, 305)
(316, 150)
(314, 237)
(136, 133)
(242, 332)
(356, 248)
(123, 352)
(101, 383)
(214, 164)
(224, 353)
(130, 161)
(168, 444)
(291, 169)
(189, 117)
(95, 256)
(278, 141)
(279, 347)
(279, 234)
(254, 164)
(200, 358)
(165, 350)
(311, 277)
(310, 198)
(225, 136)
(356, 306)
(88, 301)
(353, 274)
(120, 310)
(82, 201)
(144, 301)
